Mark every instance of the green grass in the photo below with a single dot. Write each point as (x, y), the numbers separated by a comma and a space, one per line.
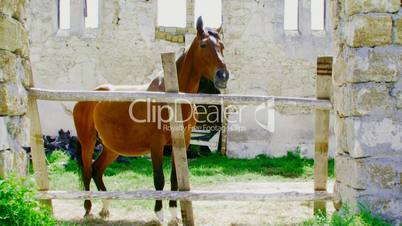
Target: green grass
(347, 217)
(204, 170)
(213, 169)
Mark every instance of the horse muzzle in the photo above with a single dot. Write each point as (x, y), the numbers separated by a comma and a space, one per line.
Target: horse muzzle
(221, 78)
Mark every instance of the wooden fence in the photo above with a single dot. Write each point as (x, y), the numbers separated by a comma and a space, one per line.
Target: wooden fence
(322, 105)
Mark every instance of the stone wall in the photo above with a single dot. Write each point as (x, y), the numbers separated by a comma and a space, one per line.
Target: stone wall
(125, 49)
(368, 103)
(15, 70)
(267, 60)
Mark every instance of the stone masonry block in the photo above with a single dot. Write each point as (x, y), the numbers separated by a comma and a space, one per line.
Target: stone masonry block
(367, 136)
(23, 71)
(384, 203)
(369, 30)
(379, 64)
(160, 35)
(175, 38)
(13, 99)
(396, 92)
(181, 39)
(399, 101)
(13, 162)
(18, 130)
(375, 173)
(371, 6)
(4, 143)
(398, 97)
(27, 72)
(168, 37)
(363, 99)
(13, 36)
(13, 8)
(398, 30)
(7, 66)
(9, 7)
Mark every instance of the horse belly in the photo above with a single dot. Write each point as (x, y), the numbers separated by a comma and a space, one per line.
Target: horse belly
(119, 132)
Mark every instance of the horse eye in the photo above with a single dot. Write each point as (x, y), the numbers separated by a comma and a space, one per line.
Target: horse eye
(203, 45)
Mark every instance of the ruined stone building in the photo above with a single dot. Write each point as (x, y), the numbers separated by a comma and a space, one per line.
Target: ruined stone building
(267, 54)
(124, 46)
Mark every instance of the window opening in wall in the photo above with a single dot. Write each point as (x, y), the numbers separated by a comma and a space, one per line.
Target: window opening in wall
(64, 14)
(291, 15)
(211, 12)
(317, 14)
(171, 13)
(91, 13)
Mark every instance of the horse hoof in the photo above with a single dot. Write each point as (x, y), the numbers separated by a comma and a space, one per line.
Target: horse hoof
(159, 215)
(104, 214)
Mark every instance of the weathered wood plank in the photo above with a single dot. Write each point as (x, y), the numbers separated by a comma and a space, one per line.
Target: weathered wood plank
(37, 148)
(178, 138)
(186, 195)
(321, 150)
(64, 95)
(224, 128)
(324, 89)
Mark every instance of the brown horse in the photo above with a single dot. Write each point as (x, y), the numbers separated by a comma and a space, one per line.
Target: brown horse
(121, 134)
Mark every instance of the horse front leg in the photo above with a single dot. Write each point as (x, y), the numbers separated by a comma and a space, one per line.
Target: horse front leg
(98, 169)
(173, 187)
(159, 178)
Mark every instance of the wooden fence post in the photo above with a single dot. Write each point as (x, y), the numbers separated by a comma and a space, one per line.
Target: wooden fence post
(178, 140)
(323, 87)
(37, 149)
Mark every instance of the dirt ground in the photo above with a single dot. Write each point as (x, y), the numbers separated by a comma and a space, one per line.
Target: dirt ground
(206, 212)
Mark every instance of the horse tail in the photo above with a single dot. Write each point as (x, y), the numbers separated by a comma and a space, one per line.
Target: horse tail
(80, 168)
(86, 139)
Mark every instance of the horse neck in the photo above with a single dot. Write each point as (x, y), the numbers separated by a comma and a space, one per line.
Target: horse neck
(189, 78)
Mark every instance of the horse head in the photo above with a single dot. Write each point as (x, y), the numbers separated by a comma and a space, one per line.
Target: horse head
(209, 55)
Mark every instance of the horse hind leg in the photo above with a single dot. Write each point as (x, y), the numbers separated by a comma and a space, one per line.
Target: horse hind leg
(86, 134)
(173, 187)
(98, 168)
(159, 179)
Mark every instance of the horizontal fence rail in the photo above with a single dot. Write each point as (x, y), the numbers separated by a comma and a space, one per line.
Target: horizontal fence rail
(186, 196)
(180, 98)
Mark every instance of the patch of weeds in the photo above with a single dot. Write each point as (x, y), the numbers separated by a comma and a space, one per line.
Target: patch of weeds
(59, 162)
(347, 217)
(18, 205)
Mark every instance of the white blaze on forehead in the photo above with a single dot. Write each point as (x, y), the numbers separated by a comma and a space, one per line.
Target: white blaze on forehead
(213, 39)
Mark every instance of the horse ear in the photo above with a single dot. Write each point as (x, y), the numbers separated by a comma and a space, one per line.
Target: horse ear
(219, 29)
(200, 26)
